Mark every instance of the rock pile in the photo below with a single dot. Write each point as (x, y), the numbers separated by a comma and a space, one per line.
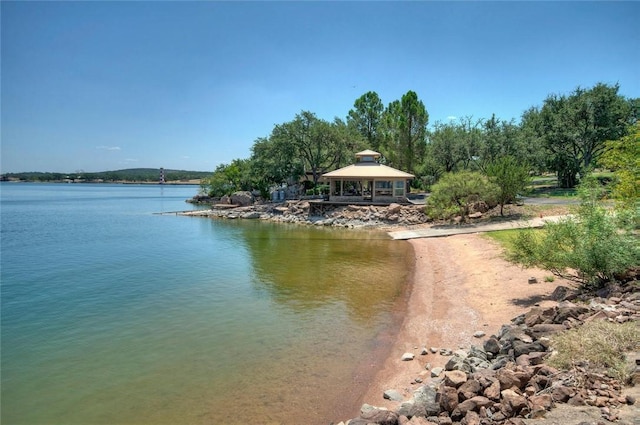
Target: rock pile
(506, 380)
(342, 216)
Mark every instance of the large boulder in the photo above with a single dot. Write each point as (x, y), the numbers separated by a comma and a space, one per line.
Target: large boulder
(242, 198)
(376, 416)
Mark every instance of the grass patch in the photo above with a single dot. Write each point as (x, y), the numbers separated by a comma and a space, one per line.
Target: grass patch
(504, 237)
(553, 192)
(600, 343)
(547, 187)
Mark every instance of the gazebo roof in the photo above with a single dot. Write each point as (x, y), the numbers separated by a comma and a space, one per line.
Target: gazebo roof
(367, 170)
(368, 152)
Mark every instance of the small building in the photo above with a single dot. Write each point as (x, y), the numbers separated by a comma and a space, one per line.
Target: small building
(367, 181)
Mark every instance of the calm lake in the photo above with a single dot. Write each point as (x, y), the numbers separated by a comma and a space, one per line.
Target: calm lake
(112, 314)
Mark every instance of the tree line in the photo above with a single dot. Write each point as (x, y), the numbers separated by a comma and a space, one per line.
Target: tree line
(127, 175)
(567, 135)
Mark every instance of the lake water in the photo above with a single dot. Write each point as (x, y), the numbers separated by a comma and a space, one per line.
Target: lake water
(112, 314)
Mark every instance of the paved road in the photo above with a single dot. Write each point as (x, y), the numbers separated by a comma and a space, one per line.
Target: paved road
(448, 230)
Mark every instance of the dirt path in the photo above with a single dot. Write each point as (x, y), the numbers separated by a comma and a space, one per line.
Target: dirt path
(461, 285)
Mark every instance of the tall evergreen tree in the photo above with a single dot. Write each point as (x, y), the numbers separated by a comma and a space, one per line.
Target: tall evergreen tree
(366, 118)
(405, 129)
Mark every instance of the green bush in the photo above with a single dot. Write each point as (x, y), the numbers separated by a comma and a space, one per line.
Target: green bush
(511, 176)
(321, 189)
(589, 248)
(455, 193)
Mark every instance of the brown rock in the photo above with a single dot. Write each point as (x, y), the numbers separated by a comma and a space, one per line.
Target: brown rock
(469, 389)
(444, 419)
(419, 420)
(508, 379)
(546, 370)
(524, 375)
(540, 382)
(523, 360)
(455, 378)
(566, 310)
(498, 417)
(537, 316)
(540, 402)
(463, 408)
(492, 392)
(537, 357)
(380, 416)
(482, 402)
(513, 400)
(577, 400)
(471, 418)
(562, 394)
(448, 398)
(546, 329)
(562, 293)
(601, 401)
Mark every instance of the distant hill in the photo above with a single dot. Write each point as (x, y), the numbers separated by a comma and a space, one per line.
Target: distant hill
(130, 175)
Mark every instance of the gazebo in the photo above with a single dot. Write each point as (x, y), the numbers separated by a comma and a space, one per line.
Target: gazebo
(367, 181)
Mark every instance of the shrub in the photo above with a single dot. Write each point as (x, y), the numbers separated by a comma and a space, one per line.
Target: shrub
(511, 177)
(589, 248)
(454, 194)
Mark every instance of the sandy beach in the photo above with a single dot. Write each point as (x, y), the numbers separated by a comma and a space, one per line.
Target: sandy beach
(461, 284)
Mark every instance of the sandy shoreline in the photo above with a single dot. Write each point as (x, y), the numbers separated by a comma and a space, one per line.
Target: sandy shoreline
(461, 284)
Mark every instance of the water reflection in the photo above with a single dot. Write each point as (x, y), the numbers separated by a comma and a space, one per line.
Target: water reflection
(305, 268)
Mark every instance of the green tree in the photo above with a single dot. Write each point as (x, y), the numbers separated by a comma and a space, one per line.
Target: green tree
(469, 130)
(454, 146)
(530, 140)
(348, 141)
(589, 248)
(390, 137)
(366, 118)
(317, 143)
(511, 177)
(446, 147)
(274, 161)
(575, 128)
(623, 158)
(405, 129)
(227, 178)
(456, 193)
(500, 138)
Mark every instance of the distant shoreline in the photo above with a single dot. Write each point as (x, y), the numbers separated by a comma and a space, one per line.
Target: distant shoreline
(170, 183)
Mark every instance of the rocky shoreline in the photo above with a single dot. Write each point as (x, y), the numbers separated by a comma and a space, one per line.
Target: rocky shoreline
(505, 379)
(294, 211)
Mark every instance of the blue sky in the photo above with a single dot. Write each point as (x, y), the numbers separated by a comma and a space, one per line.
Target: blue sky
(98, 86)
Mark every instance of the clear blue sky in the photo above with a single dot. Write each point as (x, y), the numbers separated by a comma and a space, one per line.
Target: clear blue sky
(189, 85)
